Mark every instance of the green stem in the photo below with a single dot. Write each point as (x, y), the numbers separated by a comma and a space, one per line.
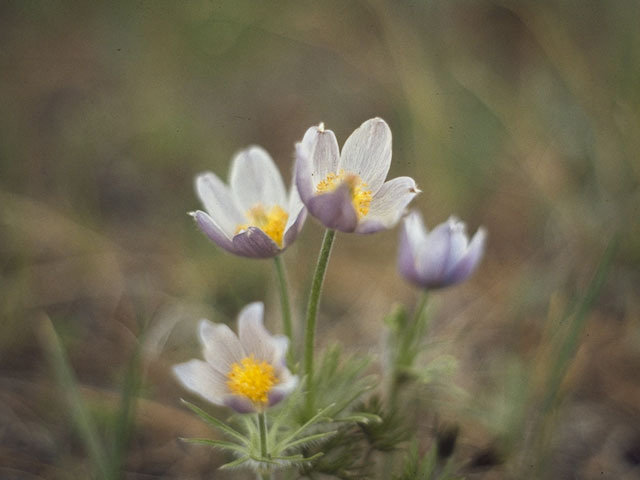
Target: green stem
(422, 303)
(312, 311)
(285, 306)
(409, 335)
(264, 448)
(402, 345)
(262, 424)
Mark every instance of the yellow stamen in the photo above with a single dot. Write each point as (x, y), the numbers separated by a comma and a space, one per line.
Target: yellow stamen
(251, 379)
(271, 222)
(360, 196)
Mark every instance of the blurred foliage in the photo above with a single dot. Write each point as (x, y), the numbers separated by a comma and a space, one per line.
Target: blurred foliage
(522, 116)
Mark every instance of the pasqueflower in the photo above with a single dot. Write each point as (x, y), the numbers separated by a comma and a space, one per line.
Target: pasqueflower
(347, 191)
(253, 216)
(246, 372)
(439, 258)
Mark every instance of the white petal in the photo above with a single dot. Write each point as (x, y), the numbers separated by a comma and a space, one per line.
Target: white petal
(201, 378)
(302, 173)
(254, 337)
(295, 205)
(280, 345)
(432, 255)
(416, 230)
(218, 202)
(221, 346)
(255, 179)
(322, 148)
(458, 245)
(367, 153)
(388, 205)
(470, 260)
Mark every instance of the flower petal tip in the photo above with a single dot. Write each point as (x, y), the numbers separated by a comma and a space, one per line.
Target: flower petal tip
(321, 127)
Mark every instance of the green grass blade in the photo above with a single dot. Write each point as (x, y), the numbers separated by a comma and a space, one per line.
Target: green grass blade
(82, 419)
(123, 425)
(578, 322)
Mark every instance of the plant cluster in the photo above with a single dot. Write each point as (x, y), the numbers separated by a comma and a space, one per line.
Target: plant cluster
(322, 414)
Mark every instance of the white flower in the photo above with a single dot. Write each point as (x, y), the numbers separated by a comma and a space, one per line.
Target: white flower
(246, 372)
(253, 216)
(347, 191)
(439, 258)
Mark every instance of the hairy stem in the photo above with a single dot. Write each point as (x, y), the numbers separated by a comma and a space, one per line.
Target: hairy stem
(262, 424)
(312, 312)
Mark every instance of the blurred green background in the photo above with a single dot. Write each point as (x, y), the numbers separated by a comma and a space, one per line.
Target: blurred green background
(522, 116)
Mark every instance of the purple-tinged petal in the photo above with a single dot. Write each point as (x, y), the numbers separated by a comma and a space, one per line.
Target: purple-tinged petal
(415, 229)
(388, 205)
(297, 216)
(239, 403)
(433, 254)
(218, 201)
(221, 346)
(407, 250)
(254, 243)
(323, 151)
(440, 258)
(367, 153)
(335, 209)
(255, 179)
(212, 230)
(202, 379)
(282, 390)
(291, 233)
(470, 260)
(459, 243)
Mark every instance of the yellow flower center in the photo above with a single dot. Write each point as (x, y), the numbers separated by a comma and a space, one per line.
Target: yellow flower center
(271, 222)
(360, 196)
(251, 379)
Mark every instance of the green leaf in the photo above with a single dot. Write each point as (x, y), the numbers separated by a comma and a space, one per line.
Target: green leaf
(360, 417)
(309, 422)
(298, 458)
(235, 463)
(308, 439)
(234, 447)
(215, 422)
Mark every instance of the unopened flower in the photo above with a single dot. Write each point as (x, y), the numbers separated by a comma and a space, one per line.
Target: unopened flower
(253, 216)
(347, 191)
(439, 258)
(246, 372)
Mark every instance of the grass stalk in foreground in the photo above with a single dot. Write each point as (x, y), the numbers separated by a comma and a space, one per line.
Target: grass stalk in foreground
(87, 429)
